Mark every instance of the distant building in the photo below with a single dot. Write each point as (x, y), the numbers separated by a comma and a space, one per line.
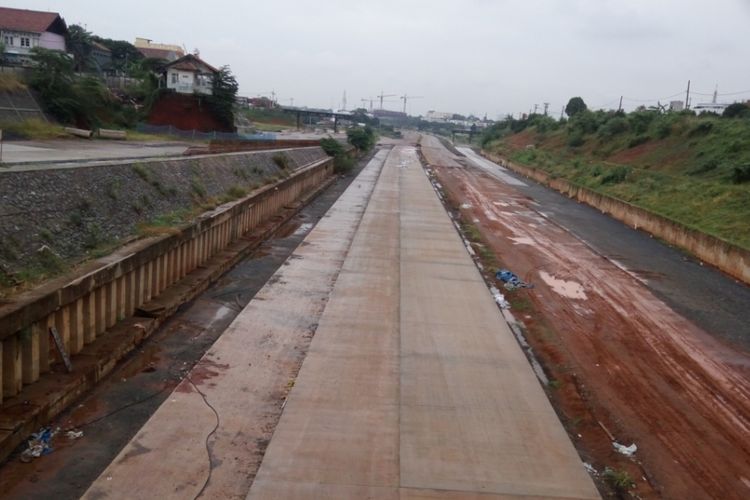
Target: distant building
(438, 116)
(162, 51)
(102, 56)
(711, 107)
(676, 106)
(386, 113)
(22, 30)
(189, 75)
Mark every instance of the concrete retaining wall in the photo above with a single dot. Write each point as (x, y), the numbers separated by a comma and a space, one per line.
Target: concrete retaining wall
(105, 293)
(726, 256)
(63, 215)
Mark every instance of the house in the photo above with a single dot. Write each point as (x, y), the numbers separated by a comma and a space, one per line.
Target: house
(22, 30)
(162, 51)
(101, 55)
(189, 75)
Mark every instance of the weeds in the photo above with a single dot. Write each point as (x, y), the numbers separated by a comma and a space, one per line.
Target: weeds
(619, 480)
(281, 160)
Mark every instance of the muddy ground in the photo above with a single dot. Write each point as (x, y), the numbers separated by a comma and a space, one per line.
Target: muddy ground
(624, 365)
(114, 412)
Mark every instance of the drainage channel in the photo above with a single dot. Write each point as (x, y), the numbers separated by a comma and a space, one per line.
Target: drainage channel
(116, 409)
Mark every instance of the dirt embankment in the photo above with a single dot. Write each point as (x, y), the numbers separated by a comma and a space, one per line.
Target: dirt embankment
(625, 365)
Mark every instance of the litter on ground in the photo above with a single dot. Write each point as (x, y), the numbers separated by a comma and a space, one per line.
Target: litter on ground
(628, 451)
(499, 298)
(39, 444)
(511, 281)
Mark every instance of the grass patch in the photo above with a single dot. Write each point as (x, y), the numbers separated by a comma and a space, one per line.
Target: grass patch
(34, 129)
(9, 82)
(693, 170)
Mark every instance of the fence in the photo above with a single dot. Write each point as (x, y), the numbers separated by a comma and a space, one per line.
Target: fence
(147, 128)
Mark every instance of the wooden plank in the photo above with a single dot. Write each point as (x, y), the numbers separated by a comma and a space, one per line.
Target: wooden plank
(61, 349)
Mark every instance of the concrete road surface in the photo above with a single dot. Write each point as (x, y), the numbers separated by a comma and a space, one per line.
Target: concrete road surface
(413, 386)
(72, 150)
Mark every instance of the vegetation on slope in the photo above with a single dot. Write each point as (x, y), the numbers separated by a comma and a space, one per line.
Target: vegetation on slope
(693, 169)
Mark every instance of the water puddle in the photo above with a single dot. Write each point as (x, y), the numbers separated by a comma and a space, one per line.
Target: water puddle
(522, 240)
(569, 289)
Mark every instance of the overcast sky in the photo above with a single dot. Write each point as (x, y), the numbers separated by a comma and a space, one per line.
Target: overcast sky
(467, 56)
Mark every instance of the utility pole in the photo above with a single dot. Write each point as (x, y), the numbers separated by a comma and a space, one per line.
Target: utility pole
(546, 107)
(619, 108)
(343, 101)
(562, 111)
(687, 97)
(536, 106)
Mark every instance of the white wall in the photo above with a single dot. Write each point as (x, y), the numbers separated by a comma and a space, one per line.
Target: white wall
(52, 41)
(186, 82)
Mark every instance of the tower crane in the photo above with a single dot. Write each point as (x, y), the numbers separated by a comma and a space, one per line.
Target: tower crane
(406, 98)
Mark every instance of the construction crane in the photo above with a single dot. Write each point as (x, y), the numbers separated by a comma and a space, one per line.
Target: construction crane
(406, 98)
(382, 95)
(370, 100)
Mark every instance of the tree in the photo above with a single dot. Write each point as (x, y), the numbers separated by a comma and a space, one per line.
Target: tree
(124, 54)
(223, 96)
(736, 110)
(80, 43)
(575, 106)
(52, 77)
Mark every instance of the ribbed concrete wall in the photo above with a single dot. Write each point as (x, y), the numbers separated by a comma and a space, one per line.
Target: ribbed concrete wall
(84, 306)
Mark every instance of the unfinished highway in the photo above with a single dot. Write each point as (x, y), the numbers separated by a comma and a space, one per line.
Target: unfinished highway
(413, 386)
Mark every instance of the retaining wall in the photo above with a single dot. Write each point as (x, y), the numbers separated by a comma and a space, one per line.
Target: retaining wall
(726, 256)
(104, 293)
(58, 215)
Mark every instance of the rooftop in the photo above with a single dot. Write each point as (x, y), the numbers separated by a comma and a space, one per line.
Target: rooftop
(33, 21)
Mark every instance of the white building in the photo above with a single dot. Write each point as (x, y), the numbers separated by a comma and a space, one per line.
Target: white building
(438, 116)
(21, 30)
(189, 75)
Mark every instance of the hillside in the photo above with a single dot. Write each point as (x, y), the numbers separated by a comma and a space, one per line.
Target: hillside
(693, 169)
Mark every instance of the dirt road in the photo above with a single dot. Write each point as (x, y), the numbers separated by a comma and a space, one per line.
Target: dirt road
(622, 356)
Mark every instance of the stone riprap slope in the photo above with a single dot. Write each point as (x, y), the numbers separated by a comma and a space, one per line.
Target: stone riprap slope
(54, 217)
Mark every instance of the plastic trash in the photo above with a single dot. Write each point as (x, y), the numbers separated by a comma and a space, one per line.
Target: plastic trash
(39, 444)
(511, 281)
(499, 298)
(628, 451)
(74, 434)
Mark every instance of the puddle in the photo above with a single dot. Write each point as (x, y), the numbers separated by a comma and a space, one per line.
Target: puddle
(569, 289)
(303, 229)
(522, 240)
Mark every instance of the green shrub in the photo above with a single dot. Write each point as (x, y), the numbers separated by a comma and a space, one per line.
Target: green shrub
(702, 128)
(614, 126)
(707, 166)
(343, 164)
(637, 141)
(663, 129)
(615, 175)
(331, 146)
(618, 480)
(741, 174)
(361, 138)
(737, 110)
(576, 140)
(281, 160)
